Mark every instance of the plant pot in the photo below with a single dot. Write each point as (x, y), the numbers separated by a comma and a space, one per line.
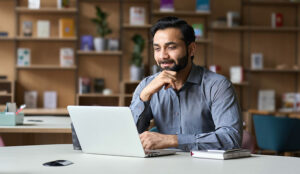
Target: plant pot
(100, 43)
(136, 73)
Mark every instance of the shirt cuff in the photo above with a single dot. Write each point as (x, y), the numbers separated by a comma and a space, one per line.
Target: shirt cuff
(185, 141)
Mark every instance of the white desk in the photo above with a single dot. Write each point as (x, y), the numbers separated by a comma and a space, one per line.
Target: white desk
(38, 130)
(29, 159)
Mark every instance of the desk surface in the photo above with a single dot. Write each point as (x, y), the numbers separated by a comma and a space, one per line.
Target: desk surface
(29, 159)
(40, 124)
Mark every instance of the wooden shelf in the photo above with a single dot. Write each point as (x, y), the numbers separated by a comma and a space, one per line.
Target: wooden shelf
(6, 95)
(271, 70)
(238, 28)
(95, 53)
(5, 81)
(46, 39)
(46, 10)
(46, 67)
(42, 111)
(241, 84)
(98, 95)
(203, 41)
(269, 3)
(181, 13)
(256, 29)
(7, 38)
(128, 26)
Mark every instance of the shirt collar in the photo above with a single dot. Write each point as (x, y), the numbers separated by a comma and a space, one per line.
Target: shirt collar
(195, 75)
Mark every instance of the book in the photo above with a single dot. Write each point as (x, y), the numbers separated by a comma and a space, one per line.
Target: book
(24, 57)
(50, 99)
(276, 20)
(66, 56)
(99, 85)
(3, 34)
(84, 85)
(290, 102)
(233, 19)
(203, 5)
(43, 28)
(66, 27)
(215, 68)
(266, 100)
(30, 98)
(34, 4)
(199, 30)
(166, 5)
(113, 44)
(86, 43)
(221, 154)
(137, 16)
(257, 61)
(27, 28)
(63, 3)
(236, 74)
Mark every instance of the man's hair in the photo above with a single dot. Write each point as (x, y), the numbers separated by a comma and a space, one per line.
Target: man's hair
(173, 22)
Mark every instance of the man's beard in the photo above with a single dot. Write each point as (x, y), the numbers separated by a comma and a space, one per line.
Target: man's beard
(182, 63)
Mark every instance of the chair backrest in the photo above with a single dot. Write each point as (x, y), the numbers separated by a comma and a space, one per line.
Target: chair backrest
(280, 134)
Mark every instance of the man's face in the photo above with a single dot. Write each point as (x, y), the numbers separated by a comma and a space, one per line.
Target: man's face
(170, 51)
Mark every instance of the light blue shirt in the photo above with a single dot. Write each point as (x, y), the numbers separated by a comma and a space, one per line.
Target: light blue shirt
(204, 113)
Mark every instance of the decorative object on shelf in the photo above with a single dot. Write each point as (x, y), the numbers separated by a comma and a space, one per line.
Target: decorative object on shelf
(215, 68)
(113, 44)
(219, 22)
(24, 57)
(3, 77)
(66, 27)
(84, 85)
(34, 4)
(257, 61)
(99, 85)
(66, 57)
(136, 70)
(290, 102)
(236, 74)
(266, 100)
(166, 5)
(50, 99)
(63, 3)
(199, 30)
(107, 91)
(233, 19)
(43, 28)
(137, 16)
(102, 29)
(276, 20)
(27, 28)
(3, 34)
(86, 43)
(202, 5)
(30, 98)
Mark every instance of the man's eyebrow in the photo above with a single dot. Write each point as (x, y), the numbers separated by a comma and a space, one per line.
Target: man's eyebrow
(167, 44)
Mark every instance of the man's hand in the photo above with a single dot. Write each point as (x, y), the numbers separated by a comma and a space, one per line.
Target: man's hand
(153, 140)
(165, 78)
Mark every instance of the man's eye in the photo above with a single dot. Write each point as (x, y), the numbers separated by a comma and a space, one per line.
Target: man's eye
(172, 47)
(156, 49)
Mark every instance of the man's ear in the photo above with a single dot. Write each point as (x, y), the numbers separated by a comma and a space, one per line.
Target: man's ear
(192, 48)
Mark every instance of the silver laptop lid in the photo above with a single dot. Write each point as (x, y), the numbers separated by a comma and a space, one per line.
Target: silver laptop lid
(106, 130)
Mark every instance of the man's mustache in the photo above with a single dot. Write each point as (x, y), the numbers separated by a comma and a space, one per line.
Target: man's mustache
(166, 61)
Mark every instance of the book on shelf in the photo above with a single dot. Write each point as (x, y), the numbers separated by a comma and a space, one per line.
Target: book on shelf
(3, 77)
(137, 16)
(3, 34)
(236, 74)
(202, 5)
(233, 19)
(199, 30)
(30, 98)
(266, 100)
(86, 43)
(166, 5)
(27, 28)
(50, 99)
(84, 85)
(215, 68)
(34, 4)
(113, 44)
(290, 102)
(221, 154)
(66, 56)
(66, 27)
(63, 3)
(24, 57)
(43, 28)
(257, 61)
(276, 20)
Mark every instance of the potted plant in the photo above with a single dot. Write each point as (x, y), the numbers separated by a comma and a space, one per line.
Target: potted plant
(136, 70)
(102, 29)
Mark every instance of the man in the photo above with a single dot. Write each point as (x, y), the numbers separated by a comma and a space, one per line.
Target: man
(193, 108)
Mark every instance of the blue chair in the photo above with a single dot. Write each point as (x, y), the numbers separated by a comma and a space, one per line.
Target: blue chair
(280, 134)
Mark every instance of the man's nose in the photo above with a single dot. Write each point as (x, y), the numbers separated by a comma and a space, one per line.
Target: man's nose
(163, 54)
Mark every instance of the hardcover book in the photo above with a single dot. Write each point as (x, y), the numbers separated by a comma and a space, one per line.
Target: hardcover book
(34, 4)
(137, 16)
(236, 74)
(66, 57)
(166, 5)
(66, 27)
(276, 20)
(266, 100)
(221, 154)
(30, 98)
(202, 5)
(24, 57)
(84, 85)
(27, 28)
(50, 99)
(63, 3)
(43, 28)
(257, 61)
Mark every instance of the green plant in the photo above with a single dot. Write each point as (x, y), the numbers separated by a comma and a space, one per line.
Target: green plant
(101, 22)
(139, 44)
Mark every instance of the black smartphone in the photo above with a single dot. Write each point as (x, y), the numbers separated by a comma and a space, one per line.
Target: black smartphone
(58, 163)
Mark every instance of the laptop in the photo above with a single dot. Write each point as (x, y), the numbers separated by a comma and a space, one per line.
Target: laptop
(109, 131)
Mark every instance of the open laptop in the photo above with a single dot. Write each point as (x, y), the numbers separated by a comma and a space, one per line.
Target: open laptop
(109, 131)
